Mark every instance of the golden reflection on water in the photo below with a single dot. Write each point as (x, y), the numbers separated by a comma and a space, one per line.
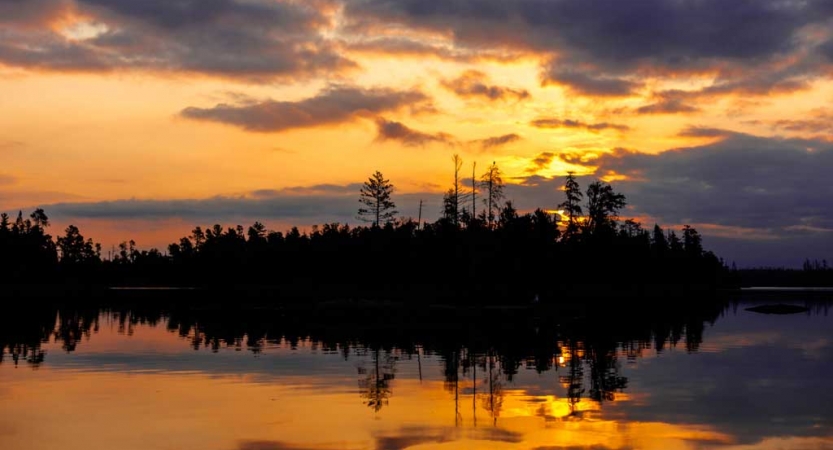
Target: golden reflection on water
(100, 397)
(68, 409)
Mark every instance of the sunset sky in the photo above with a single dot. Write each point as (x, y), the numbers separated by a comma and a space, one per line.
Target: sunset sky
(143, 118)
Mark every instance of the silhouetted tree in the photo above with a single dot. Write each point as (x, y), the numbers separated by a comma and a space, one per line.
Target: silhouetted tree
(603, 205)
(454, 201)
(572, 205)
(658, 241)
(692, 242)
(449, 211)
(376, 197)
(76, 250)
(508, 215)
(492, 183)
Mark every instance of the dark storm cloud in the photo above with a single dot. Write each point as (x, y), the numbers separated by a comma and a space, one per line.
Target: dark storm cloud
(389, 130)
(741, 181)
(183, 13)
(332, 106)
(826, 49)
(31, 12)
(577, 124)
(475, 84)
(254, 40)
(598, 46)
(496, 141)
(601, 47)
(611, 32)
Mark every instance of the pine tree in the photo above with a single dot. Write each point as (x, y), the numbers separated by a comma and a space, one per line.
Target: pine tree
(572, 206)
(376, 197)
(658, 241)
(603, 205)
(692, 242)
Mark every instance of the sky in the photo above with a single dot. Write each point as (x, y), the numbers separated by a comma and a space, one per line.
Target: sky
(141, 119)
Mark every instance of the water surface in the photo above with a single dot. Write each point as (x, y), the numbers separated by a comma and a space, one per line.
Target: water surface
(126, 379)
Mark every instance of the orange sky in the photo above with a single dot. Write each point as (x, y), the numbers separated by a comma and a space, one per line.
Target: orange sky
(104, 101)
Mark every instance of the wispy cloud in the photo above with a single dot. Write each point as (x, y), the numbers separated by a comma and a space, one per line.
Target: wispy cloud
(496, 141)
(552, 123)
(475, 84)
(388, 130)
(337, 104)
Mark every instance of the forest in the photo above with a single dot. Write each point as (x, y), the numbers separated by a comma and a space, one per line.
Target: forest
(481, 249)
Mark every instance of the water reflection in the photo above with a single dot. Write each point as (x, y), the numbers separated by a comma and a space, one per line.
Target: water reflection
(698, 377)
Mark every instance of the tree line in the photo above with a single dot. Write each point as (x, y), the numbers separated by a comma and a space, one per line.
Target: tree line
(480, 247)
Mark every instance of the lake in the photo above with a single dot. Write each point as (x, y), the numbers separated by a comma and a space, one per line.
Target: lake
(672, 377)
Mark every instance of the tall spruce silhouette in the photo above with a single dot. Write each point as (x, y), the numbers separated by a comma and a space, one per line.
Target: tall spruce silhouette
(375, 195)
(572, 205)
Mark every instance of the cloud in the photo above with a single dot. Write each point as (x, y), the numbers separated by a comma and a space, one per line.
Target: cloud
(255, 41)
(496, 141)
(31, 13)
(773, 187)
(602, 47)
(591, 85)
(417, 47)
(668, 106)
(705, 132)
(742, 180)
(473, 84)
(577, 124)
(389, 130)
(816, 122)
(608, 32)
(541, 161)
(299, 203)
(336, 104)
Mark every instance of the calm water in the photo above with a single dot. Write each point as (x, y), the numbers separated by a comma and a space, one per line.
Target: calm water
(125, 379)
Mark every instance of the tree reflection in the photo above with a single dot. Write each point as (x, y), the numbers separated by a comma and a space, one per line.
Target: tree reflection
(492, 398)
(585, 350)
(374, 383)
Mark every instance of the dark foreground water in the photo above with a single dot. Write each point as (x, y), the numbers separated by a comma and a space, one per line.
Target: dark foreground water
(122, 378)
